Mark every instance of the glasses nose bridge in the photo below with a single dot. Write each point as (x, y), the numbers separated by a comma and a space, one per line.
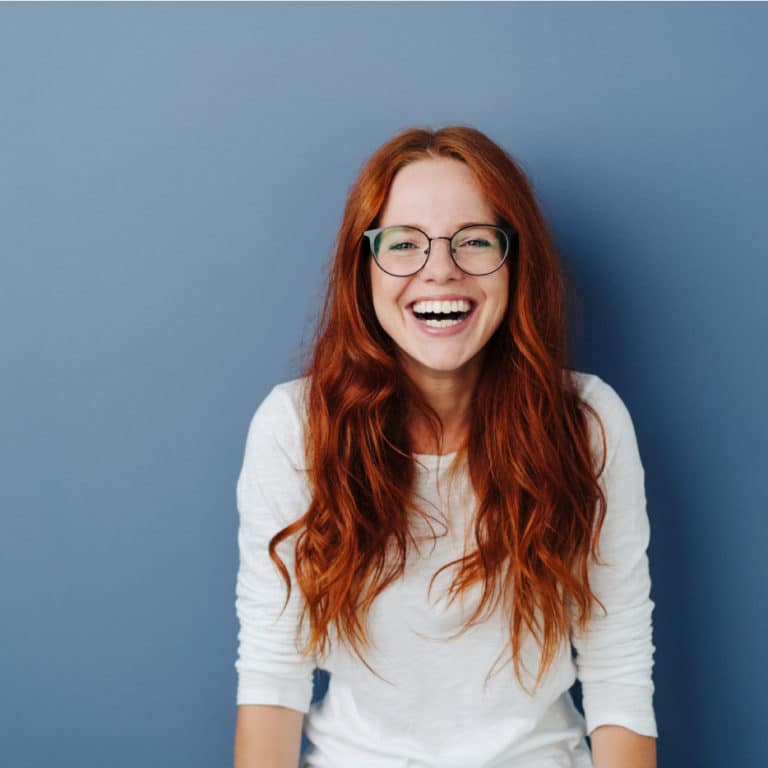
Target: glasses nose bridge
(444, 268)
(449, 239)
(429, 245)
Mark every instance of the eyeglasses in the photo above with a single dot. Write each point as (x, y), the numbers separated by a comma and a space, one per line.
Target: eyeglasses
(477, 249)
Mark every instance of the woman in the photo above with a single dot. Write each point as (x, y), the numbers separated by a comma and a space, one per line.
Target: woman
(439, 490)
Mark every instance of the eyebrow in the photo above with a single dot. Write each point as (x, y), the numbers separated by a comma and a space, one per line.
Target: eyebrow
(458, 227)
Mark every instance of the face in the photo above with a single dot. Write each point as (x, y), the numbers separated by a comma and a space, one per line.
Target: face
(438, 195)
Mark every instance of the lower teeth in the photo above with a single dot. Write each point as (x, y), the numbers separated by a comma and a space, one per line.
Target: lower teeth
(442, 323)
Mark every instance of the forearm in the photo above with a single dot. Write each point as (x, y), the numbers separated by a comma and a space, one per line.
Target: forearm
(267, 737)
(614, 746)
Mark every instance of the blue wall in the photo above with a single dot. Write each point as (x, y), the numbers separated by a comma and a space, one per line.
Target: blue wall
(152, 160)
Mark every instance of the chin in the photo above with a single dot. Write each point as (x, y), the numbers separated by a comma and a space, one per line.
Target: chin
(442, 364)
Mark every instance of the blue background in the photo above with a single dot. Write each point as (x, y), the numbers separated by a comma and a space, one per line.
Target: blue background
(171, 180)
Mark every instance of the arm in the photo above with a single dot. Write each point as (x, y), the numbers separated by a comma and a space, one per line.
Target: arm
(614, 653)
(267, 736)
(614, 746)
(274, 682)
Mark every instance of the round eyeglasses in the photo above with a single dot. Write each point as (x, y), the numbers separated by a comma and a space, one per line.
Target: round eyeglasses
(477, 249)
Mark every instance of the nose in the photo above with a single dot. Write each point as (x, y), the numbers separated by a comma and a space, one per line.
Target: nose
(440, 266)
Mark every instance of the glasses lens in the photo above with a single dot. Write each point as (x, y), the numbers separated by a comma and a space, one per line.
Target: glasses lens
(401, 250)
(480, 250)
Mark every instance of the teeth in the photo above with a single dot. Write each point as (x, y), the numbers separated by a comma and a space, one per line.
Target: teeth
(441, 323)
(461, 305)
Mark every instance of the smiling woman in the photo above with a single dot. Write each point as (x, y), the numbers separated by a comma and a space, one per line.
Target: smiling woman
(438, 390)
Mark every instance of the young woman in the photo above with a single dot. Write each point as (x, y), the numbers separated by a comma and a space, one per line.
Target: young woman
(439, 511)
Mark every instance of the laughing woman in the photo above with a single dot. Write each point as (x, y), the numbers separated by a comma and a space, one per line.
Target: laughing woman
(439, 511)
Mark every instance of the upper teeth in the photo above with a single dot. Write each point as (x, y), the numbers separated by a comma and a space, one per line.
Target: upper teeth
(462, 305)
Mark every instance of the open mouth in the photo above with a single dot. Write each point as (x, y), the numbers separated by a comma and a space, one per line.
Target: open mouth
(443, 319)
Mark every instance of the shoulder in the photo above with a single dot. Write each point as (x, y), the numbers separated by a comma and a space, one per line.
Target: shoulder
(591, 388)
(277, 425)
(610, 408)
(283, 404)
(282, 408)
(596, 391)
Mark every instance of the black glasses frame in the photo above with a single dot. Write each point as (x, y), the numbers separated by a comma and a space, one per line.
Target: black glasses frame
(510, 232)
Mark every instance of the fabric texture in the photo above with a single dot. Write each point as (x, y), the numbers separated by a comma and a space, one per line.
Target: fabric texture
(428, 707)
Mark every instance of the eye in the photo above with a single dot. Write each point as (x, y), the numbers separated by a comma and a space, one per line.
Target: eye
(474, 243)
(397, 246)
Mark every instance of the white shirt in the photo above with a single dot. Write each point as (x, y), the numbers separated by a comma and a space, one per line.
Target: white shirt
(431, 709)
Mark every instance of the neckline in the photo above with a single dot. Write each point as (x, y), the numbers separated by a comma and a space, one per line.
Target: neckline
(431, 460)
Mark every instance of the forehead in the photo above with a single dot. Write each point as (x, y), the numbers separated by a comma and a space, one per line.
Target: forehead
(436, 192)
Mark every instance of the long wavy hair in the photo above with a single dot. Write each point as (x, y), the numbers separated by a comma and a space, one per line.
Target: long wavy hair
(540, 507)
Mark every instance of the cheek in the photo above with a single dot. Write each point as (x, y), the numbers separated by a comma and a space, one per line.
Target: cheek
(498, 292)
(376, 288)
(385, 291)
(504, 301)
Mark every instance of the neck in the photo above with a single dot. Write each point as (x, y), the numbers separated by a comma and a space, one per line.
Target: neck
(449, 393)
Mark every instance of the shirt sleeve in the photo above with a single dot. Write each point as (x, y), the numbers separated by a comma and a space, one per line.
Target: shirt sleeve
(614, 656)
(271, 493)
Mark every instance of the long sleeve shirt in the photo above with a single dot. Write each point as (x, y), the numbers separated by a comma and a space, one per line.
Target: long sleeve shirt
(429, 707)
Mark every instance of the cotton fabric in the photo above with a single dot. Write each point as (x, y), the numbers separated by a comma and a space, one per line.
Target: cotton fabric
(429, 707)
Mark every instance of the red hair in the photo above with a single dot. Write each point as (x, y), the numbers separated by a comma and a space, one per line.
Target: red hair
(540, 506)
